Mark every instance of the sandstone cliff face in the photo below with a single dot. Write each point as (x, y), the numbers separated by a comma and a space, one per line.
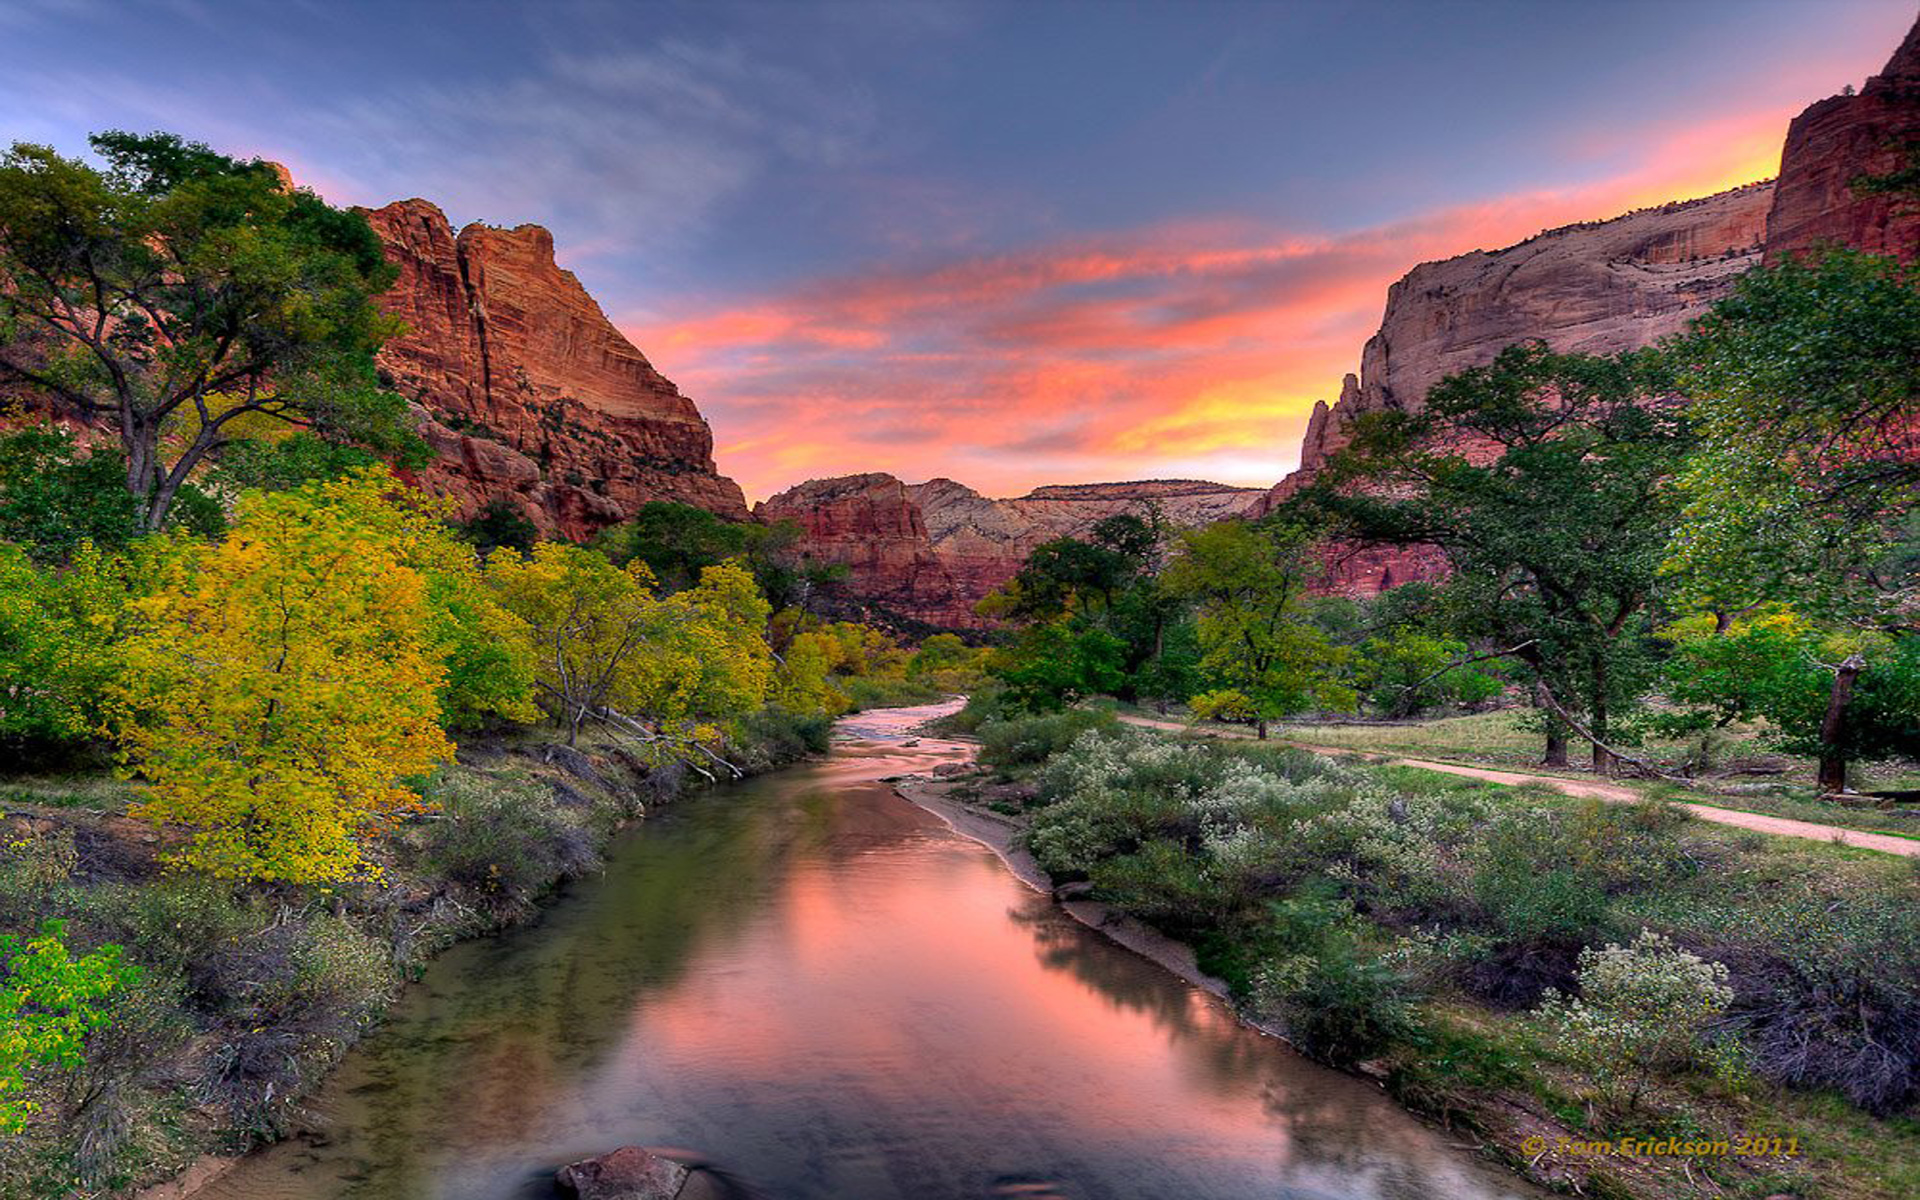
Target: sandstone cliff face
(1596, 288)
(526, 391)
(1835, 142)
(929, 551)
(870, 525)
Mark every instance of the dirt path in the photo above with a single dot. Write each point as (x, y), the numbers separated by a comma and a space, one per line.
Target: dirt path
(1781, 826)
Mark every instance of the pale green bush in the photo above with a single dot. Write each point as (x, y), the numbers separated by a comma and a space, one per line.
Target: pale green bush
(1643, 1008)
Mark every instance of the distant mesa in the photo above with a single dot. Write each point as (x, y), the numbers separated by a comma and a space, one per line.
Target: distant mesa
(926, 553)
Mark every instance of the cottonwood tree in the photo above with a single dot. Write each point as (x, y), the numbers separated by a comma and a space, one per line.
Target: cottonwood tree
(1546, 479)
(1805, 384)
(288, 682)
(187, 300)
(1250, 585)
(607, 648)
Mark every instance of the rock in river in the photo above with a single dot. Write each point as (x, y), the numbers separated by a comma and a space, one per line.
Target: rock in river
(629, 1173)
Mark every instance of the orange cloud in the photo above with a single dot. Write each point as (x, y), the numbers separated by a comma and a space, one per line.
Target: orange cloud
(1194, 347)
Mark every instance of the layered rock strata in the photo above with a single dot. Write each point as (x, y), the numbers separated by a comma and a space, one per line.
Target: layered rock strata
(526, 392)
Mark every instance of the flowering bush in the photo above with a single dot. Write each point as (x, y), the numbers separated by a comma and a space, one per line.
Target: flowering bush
(1642, 1008)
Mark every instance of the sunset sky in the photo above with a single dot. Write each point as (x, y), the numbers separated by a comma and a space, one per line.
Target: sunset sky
(1011, 244)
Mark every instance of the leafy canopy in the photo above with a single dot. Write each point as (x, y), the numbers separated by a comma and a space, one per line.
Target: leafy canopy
(288, 681)
(178, 296)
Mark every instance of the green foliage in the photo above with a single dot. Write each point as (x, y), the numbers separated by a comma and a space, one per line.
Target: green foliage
(502, 840)
(49, 1002)
(1025, 740)
(1805, 383)
(62, 639)
(1249, 583)
(281, 464)
(1052, 665)
(236, 304)
(1555, 522)
(1337, 1002)
(53, 497)
(1406, 671)
(1777, 666)
(678, 541)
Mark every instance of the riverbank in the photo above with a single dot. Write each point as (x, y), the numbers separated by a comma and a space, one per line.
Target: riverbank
(250, 994)
(1414, 959)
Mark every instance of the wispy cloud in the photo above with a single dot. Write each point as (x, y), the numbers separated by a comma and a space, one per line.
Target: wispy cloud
(1199, 346)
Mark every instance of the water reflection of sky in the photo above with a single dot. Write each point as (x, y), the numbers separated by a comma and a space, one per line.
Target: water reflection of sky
(821, 989)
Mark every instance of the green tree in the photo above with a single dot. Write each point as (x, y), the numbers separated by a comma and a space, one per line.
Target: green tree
(1805, 385)
(1250, 584)
(54, 496)
(1780, 667)
(499, 523)
(180, 297)
(49, 1002)
(1546, 479)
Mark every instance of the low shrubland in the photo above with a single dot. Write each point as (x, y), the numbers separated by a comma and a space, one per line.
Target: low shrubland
(1620, 965)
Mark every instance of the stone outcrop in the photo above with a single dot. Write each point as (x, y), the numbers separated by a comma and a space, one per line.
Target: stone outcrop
(527, 393)
(1597, 288)
(870, 525)
(1606, 286)
(1835, 142)
(927, 552)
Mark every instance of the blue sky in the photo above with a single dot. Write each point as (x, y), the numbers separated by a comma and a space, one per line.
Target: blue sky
(1010, 243)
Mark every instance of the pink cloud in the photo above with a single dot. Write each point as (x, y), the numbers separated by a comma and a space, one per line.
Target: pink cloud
(1187, 347)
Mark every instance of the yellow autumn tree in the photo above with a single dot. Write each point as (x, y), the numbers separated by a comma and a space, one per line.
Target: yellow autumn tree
(287, 681)
(608, 648)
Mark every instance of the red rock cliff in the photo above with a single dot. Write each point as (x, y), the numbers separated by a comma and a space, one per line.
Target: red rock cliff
(527, 392)
(928, 552)
(1835, 142)
(870, 525)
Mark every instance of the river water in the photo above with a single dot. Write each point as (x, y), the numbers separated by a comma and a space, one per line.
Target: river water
(819, 990)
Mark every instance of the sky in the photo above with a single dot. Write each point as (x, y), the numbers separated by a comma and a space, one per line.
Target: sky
(1011, 244)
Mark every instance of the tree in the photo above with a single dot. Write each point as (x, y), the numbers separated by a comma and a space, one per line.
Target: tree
(49, 1002)
(178, 295)
(500, 523)
(608, 649)
(53, 496)
(1781, 667)
(1249, 583)
(1546, 479)
(1806, 385)
(62, 636)
(287, 682)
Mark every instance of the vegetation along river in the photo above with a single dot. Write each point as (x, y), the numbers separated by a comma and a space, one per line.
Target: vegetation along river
(820, 990)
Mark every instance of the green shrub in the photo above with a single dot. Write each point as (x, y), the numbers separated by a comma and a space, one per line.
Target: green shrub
(1028, 740)
(1337, 1003)
(502, 840)
(772, 735)
(1643, 1010)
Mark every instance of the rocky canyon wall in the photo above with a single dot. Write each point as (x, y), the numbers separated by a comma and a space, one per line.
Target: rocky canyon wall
(526, 392)
(927, 552)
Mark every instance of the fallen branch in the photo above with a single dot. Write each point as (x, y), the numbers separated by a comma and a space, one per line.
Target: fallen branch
(1543, 695)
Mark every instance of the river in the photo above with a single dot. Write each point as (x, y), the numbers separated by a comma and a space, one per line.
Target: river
(821, 991)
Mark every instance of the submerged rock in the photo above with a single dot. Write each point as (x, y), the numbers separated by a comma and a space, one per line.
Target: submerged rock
(629, 1173)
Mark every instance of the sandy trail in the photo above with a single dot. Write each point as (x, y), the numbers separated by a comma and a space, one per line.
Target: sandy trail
(1781, 826)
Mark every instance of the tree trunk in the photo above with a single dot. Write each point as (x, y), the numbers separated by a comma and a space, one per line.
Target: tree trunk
(1833, 726)
(1260, 728)
(1556, 754)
